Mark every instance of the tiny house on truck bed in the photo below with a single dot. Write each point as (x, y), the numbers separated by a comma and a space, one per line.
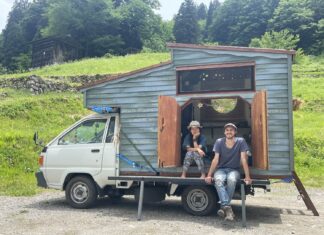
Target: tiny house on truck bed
(213, 85)
(250, 87)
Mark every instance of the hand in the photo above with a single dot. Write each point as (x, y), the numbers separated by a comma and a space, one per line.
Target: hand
(200, 152)
(247, 180)
(208, 179)
(195, 136)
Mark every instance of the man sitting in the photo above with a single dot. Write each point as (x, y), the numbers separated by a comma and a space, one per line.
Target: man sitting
(194, 143)
(230, 151)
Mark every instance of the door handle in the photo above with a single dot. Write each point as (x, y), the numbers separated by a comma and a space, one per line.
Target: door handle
(95, 150)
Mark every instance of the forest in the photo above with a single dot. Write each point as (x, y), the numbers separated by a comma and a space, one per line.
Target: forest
(119, 27)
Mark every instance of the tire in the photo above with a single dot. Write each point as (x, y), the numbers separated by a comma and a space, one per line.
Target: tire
(81, 192)
(199, 200)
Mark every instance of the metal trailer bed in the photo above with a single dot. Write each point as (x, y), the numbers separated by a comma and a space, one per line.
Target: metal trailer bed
(185, 181)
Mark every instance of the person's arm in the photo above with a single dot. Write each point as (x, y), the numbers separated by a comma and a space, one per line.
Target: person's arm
(201, 145)
(245, 165)
(196, 148)
(212, 168)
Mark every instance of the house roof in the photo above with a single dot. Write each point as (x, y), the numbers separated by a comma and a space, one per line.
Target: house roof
(114, 77)
(183, 45)
(231, 48)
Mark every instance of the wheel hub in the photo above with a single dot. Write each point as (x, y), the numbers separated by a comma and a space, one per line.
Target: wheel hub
(79, 193)
(197, 200)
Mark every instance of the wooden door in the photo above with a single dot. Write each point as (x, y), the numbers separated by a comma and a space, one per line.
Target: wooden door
(260, 131)
(169, 128)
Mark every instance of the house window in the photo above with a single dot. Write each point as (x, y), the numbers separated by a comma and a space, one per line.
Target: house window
(216, 78)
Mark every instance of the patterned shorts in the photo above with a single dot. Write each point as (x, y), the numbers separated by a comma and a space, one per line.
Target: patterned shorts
(190, 157)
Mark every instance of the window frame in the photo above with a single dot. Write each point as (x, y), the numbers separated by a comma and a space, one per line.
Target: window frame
(77, 126)
(107, 129)
(214, 66)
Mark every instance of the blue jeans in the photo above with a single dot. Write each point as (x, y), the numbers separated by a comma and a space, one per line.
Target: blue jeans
(225, 183)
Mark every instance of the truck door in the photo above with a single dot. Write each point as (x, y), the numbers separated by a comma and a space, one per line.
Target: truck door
(259, 118)
(79, 150)
(169, 128)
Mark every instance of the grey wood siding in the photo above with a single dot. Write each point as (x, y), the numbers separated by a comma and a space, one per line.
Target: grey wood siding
(137, 96)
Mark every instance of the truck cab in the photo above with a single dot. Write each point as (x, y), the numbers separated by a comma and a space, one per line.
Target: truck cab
(85, 151)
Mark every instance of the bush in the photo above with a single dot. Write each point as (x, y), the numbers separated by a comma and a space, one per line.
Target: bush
(276, 40)
(311, 145)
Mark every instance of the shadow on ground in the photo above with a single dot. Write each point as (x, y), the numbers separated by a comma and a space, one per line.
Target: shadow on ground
(125, 209)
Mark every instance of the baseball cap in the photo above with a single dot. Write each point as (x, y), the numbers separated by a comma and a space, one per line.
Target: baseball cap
(230, 125)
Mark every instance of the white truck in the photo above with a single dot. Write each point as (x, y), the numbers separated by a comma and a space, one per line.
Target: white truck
(84, 161)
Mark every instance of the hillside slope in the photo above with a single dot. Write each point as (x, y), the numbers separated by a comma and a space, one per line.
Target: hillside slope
(94, 66)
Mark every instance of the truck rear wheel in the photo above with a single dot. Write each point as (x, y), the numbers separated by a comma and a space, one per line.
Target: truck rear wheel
(81, 192)
(199, 200)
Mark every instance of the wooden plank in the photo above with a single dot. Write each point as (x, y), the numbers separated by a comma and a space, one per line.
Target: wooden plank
(271, 87)
(279, 161)
(278, 134)
(304, 195)
(151, 94)
(169, 129)
(271, 76)
(279, 154)
(218, 65)
(259, 131)
(278, 148)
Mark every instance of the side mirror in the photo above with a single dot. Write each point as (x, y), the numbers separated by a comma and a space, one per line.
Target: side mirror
(35, 137)
(37, 142)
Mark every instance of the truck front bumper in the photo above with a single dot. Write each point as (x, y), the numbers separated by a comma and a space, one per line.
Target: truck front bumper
(41, 182)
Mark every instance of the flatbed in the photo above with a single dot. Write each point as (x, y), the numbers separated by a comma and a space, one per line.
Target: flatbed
(185, 181)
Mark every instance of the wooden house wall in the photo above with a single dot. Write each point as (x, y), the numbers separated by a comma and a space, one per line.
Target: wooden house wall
(137, 96)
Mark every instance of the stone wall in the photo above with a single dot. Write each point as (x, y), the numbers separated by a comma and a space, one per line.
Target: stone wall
(38, 85)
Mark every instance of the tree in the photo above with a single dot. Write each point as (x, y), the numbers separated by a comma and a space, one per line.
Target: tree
(139, 24)
(213, 6)
(162, 35)
(154, 4)
(186, 29)
(318, 46)
(34, 19)
(297, 17)
(318, 7)
(85, 21)
(276, 40)
(202, 12)
(14, 42)
(237, 21)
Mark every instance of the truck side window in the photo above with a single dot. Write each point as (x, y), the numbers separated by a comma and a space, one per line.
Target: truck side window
(111, 129)
(90, 131)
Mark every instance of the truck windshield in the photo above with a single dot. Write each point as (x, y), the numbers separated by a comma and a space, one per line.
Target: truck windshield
(90, 131)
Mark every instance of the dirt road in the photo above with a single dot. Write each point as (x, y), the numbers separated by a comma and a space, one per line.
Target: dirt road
(277, 212)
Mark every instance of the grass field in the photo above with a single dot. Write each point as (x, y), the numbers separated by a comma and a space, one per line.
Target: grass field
(117, 64)
(22, 113)
(308, 85)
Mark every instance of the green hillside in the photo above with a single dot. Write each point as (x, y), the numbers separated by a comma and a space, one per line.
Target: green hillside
(22, 113)
(308, 85)
(93, 66)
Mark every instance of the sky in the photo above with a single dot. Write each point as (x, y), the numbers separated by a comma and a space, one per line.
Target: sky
(168, 9)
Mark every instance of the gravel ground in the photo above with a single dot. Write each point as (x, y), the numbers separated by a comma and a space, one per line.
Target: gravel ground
(277, 212)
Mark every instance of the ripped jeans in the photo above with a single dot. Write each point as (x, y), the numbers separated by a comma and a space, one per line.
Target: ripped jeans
(225, 183)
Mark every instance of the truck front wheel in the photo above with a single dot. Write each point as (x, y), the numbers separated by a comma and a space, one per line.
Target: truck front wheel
(199, 200)
(81, 192)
